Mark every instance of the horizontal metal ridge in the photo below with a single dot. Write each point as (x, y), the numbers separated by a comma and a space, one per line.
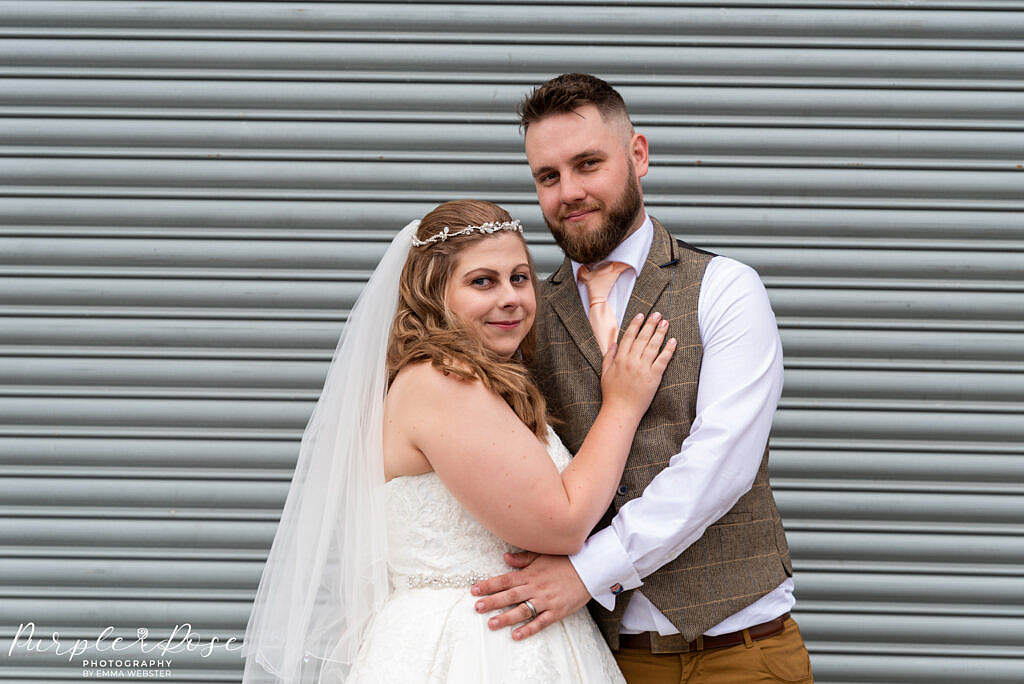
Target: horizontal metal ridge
(792, 457)
(891, 485)
(890, 467)
(968, 84)
(902, 365)
(869, 568)
(261, 488)
(127, 593)
(132, 528)
(246, 379)
(811, 197)
(863, 323)
(157, 393)
(172, 405)
(786, 4)
(706, 161)
(808, 305)
(509, 177)
(136, 553)
(528, 39)
(179, 312)
(32, 537)
(302, 274)
(131, 313)
(849, 444)
(372, 221)
(166, 560)
(161, 432)
(894, 627)
(79, 594)
(299, 273)
(139, 513)
(937, 406)
(637, 21)
(993, 482)
(417, 100)
(839, 526)
(969, 124)
(792, 460)
(158, 472)
(278, 355)
(233, 354)
(462, 62)
(537, 241)
(752, 161)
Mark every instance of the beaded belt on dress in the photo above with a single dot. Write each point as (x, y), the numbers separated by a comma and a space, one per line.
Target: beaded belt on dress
(425, 581)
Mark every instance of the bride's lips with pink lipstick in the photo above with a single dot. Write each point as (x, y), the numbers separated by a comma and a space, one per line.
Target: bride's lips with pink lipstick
(505, 325)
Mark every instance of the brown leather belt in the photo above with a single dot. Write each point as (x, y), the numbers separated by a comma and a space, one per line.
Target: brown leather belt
(761, 631)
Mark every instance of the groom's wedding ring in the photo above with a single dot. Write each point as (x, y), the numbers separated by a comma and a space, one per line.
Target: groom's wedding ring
(533, 611)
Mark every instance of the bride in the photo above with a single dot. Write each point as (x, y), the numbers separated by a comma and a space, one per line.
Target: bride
(427, 457)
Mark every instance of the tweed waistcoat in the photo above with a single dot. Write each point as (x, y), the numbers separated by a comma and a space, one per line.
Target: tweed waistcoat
(743, 555)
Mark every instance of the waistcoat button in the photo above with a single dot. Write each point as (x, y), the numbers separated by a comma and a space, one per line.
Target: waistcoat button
(623, 490)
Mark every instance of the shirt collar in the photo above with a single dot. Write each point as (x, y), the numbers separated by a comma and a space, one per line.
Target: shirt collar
(632, 251)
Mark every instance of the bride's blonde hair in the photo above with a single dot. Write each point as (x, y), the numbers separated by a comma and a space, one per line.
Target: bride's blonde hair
(425, 329)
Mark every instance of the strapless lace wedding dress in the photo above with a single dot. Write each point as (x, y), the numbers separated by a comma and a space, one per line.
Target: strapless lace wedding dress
(428, 630)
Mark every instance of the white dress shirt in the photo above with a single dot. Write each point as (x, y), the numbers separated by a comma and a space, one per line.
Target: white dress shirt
(739, 387)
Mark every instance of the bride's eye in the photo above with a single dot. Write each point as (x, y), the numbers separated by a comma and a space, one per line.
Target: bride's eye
(482, 281)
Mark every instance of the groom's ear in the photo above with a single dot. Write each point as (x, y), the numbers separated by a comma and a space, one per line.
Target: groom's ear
(638, 154)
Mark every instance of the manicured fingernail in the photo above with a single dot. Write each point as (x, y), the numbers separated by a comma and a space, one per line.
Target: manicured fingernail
(639, 317)
(655, 316)
(663, 324)
(672, 341)
(493, 622)
(480, 606)
(515, 635)
(475, 591)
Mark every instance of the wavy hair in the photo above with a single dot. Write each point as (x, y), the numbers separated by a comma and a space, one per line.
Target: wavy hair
(425, 329)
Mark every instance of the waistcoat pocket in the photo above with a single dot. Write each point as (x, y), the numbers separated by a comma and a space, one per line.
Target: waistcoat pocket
(733, 517)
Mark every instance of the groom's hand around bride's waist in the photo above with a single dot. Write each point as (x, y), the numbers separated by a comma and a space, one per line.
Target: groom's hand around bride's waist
(549, 583)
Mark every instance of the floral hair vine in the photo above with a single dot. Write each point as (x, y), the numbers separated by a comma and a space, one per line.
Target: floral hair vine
(485, 228)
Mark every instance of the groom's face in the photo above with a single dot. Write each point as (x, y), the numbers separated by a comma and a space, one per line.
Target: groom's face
(586, 169)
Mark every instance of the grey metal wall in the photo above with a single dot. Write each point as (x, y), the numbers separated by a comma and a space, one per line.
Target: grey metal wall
(192, 194)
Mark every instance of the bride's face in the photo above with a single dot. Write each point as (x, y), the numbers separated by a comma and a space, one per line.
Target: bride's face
(490, 291)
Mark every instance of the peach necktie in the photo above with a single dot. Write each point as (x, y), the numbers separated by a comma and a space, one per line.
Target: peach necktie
(599, 282)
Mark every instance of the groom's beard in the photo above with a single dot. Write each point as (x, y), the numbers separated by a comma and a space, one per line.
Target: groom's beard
(592, 247)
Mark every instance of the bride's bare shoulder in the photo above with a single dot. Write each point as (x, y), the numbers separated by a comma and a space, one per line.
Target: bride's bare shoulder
(422, 380)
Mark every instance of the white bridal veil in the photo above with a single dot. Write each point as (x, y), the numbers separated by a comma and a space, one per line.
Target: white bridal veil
(326, 574)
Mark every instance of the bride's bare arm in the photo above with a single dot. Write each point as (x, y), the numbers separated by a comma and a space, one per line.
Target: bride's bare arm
(498, 469)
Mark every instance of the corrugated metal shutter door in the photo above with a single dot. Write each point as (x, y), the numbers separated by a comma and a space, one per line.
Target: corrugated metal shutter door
(192, 194)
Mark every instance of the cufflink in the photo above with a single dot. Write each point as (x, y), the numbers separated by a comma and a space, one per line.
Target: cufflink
(616, 588)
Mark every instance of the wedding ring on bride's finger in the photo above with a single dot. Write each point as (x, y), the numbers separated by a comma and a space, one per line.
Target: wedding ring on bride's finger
(529, 606)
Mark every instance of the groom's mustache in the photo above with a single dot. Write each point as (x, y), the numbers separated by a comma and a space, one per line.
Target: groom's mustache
(576, 209)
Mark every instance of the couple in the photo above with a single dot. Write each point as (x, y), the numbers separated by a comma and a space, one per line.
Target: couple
(430, 455)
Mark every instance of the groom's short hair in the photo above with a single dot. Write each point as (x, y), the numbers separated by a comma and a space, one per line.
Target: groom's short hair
(568, 92)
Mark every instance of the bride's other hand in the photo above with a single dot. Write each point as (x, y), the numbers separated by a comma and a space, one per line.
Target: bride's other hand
(632, 371)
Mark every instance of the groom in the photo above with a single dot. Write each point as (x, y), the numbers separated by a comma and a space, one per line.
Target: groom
(688, 575)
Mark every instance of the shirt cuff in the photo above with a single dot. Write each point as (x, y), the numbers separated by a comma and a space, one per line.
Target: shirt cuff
(604, 567)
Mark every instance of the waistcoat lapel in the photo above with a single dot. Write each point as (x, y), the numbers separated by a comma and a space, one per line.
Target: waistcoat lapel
(653, 278)
(564, 299)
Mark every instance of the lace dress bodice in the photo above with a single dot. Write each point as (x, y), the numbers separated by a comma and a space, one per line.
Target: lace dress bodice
(430, 534)
(428, 631)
